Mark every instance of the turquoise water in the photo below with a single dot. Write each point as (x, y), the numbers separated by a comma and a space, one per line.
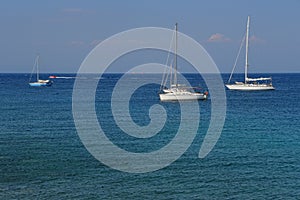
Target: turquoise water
(256, 157)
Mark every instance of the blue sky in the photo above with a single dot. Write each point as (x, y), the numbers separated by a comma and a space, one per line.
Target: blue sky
(64, 32)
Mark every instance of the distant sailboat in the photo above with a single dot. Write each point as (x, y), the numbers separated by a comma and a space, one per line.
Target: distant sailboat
(250, 84)
(38, 82)
(179, 92)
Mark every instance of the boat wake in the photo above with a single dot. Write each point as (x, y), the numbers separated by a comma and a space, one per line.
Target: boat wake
(62, 77)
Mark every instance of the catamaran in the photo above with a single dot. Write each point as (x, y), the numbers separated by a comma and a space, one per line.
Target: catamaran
(38, 82)
(179, 92)
(250, 84)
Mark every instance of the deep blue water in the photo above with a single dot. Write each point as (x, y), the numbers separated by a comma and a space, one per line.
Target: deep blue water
(42, 157)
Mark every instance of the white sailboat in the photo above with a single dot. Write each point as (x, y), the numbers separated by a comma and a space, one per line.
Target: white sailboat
(38, 81)
(250, 84)
(179, 92)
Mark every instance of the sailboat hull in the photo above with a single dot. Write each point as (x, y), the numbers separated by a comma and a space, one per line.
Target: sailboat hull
(39, 84)
(182, 96)
(250, 87)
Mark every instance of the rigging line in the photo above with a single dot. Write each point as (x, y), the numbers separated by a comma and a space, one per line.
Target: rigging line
(34, 65)
(236, 59)
(165, 74)
(168, 74)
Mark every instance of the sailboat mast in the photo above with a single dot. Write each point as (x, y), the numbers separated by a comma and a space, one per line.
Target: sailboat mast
(176, 40)
(247, 49)
(37, 67)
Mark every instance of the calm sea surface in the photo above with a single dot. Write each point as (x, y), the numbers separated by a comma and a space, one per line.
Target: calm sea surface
(42, 157)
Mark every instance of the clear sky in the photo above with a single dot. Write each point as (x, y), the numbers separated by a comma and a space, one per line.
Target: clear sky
(64, 32)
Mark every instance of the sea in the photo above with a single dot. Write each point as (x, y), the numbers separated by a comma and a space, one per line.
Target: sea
(257, 155)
